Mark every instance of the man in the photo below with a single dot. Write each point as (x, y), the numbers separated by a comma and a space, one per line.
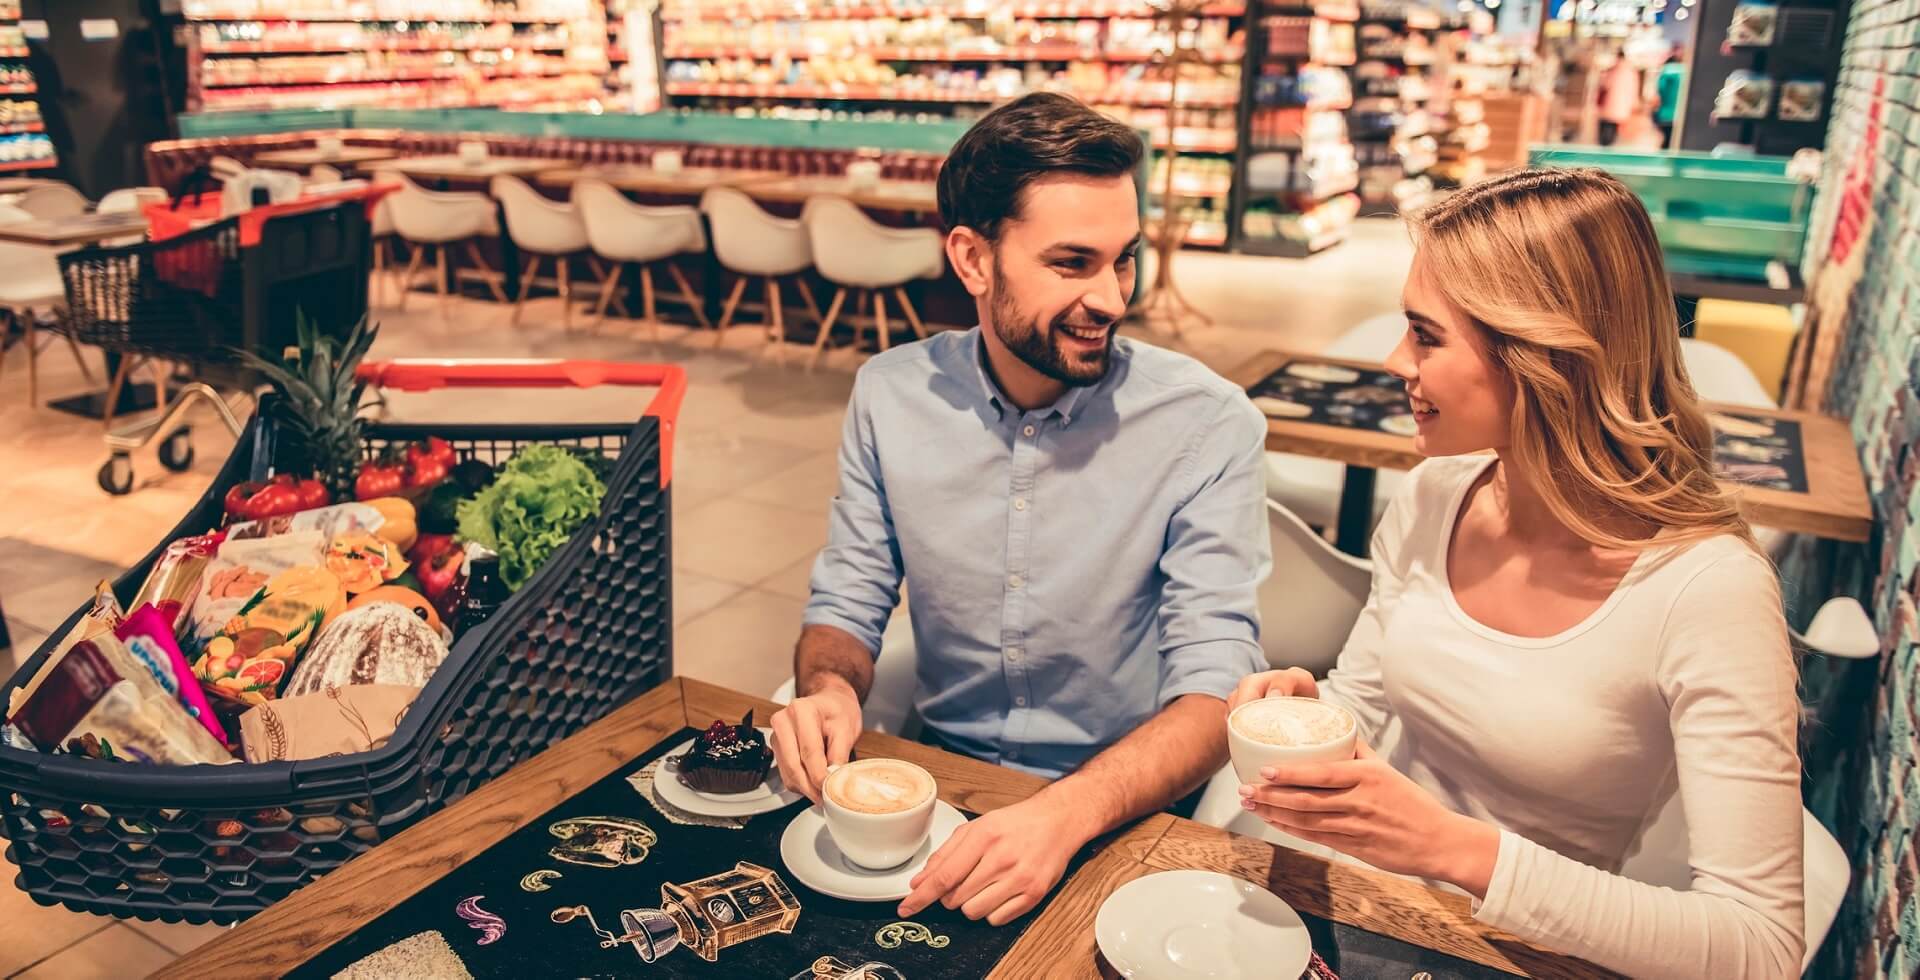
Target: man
(1080, 521)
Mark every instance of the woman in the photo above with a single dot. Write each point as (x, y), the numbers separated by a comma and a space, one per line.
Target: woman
(1568, 629)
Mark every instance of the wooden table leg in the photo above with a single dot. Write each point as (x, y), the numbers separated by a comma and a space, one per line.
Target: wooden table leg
(1355, 524)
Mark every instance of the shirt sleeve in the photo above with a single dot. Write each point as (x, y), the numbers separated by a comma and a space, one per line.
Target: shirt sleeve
(1726, 674)
(1356, 682)
(856, 579)
(1216, 555)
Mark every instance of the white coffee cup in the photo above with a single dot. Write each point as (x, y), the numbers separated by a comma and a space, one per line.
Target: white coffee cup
(1292, 744)
(863, 175)
(667, 162)
(473, 152)
(329, 147)
(875, 840)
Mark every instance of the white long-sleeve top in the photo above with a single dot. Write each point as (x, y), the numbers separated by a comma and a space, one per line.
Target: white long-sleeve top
(1571, 744)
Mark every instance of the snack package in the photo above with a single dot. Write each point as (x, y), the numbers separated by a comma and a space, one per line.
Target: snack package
(242, 567)
(102, 617)
(1745, 95)
(363, 561)
(1752, 24)
(175, 578)
(148, 636)
(251, 654)
(336, 721)
(109, 707)
(330, 522)
(1800, 100)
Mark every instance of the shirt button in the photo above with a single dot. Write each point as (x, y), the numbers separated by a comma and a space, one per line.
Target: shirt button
(1015, 581)
(1019, 503)
(1020, 702)
(1028, 432)
(1013, 655)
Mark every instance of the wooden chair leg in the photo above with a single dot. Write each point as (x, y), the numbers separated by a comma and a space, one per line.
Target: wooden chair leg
(726, 312)
(375, 292)
(912, 315)
(565, 263)
(493, 279)
(880, 320)
(440, 275)
(806, 296)
(113, 390)
(826, 327)
(608, 286)
(31, 324)
(647, 307)
(526, 285)
(778, 317)
(686, 295)
(413, 272)
(86, 371)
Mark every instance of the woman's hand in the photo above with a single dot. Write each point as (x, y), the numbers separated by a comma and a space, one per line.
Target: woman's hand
(1292, 682)
(1367, 809)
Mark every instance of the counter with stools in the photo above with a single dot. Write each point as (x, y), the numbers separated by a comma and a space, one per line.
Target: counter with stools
(862, 256)
(625, 233)
(754, 244)
(543, 229)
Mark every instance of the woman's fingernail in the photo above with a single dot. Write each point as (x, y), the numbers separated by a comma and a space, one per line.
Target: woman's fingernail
(1267, 773)
(1246, 790)
(1246, 804)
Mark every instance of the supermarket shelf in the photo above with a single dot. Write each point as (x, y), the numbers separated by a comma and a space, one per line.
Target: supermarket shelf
(1193, 188)
(17, 128)
(29, 165)
(27, 89)
(14, 52)
(1223, 141)
(437, 75)
(336, 17)
(1318, 192)
(279, 47)
(895, 53)
(1206, 239)
(1347, 14)
(834, 93)
(1038, 11)
(1287, 248)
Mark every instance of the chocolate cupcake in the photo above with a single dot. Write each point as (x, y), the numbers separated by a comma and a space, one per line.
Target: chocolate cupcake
(726, 759)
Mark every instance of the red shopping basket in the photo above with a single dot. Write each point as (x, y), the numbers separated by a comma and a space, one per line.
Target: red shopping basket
(591, 630)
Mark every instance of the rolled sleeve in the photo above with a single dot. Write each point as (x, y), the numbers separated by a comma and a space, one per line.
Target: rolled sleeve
(856, 580)
(1216, 555)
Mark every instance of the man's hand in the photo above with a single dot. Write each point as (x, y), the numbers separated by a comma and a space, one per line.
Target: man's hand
(1290, 683)
(1001, 865)
(815, 732)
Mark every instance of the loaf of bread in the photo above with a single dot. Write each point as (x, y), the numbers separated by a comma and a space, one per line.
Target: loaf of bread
(379, 643)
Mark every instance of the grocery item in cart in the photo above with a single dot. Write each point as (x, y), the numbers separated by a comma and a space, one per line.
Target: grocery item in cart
(330, 522)
(148, 636)
(176, 576)
(380, 643)
(250, 657)
(244, 566)
(101, 617)
(100, 699)
(363, 562)
(336, 721)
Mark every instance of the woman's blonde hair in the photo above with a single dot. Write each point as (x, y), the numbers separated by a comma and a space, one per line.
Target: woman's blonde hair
(1562, 271)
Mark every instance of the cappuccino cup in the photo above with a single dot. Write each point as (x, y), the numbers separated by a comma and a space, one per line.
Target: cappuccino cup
(472, 153)
(879, 811)
(1288, 731)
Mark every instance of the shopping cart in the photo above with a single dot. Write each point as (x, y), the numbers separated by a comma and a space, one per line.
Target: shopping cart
(188, 301)
(588, 632)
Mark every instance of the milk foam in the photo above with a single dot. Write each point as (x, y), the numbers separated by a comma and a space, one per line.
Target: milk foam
(878, 788)
(1282, 721)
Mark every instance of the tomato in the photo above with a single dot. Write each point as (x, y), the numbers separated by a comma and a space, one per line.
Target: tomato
(256, 501)
(434, 448)
(377, 480)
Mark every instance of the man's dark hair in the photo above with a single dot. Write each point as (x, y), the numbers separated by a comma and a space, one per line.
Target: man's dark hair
(1028, 138)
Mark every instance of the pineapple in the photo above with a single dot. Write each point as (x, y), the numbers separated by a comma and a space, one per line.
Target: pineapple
(319, 398)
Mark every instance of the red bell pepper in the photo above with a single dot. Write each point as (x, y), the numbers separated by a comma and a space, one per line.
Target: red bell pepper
(255, 501)
(423, 474)
(433, 448)
(378, 480)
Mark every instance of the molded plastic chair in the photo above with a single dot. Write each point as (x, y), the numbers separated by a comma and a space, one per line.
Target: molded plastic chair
(435, 219)
(131, 199)
(51, 200)
(624, 232)
(544, 229)
(30, 285)
(861, 255)
(889, 705)
(754, 244)
(1311, 598)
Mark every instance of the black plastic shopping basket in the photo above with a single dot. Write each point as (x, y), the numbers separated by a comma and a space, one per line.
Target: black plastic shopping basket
(591, 630)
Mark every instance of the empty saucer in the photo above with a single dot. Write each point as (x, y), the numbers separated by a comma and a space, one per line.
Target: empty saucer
(1330, 373)
(1281, 408)
(770, 795)
(1400, 425)
(1200, 924)
(808, 851)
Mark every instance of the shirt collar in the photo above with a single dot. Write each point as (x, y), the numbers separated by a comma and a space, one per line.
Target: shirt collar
(1064, 406)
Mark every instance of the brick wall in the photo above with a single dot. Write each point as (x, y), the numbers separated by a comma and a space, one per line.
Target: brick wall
(1863, 266)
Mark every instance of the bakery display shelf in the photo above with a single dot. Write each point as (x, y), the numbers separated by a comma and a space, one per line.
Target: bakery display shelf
(41, 164)
(27, 89)
(1046, 11)
(14, 129)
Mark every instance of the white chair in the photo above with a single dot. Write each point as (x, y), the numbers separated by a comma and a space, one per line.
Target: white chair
(543, 229)
(381, 234)
(889, 705)
(322, 173)
(623, 232)
(128, 199)
(1311, 598)
(30, 285)
(435, 219)
(1310, 487)
(51, 200)
(754, 244)
(1660, 858)
(860, 255)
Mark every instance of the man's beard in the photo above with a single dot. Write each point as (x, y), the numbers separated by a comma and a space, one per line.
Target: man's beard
(1042, 352)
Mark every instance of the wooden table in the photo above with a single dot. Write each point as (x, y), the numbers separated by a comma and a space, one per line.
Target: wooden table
(450, 167)
(81, 229)
(1058, 944)
(638, 179)
(1835, 505)
(1783, 287)
(14, 185)
(314, 157)
(887, 195)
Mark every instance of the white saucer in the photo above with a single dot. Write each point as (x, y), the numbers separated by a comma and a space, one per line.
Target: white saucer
(767, 797)
(808, 851)
(1200, 924)
(1329, 373)
(1282, 408)
(1400, 425)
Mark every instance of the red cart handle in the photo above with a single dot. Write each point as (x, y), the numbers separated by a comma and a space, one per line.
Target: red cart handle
(427, 374)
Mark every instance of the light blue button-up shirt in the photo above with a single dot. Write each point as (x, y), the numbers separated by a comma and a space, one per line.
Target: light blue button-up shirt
(1072, 570)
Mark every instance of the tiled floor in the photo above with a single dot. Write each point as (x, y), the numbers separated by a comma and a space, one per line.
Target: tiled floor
(754, 471)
